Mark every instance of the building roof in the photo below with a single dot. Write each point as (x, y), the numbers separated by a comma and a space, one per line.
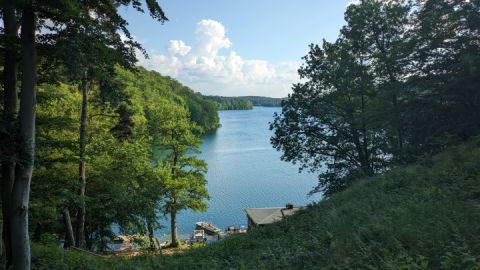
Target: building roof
(262, 216)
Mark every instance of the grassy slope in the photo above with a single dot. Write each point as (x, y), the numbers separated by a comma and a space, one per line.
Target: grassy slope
(424, 216)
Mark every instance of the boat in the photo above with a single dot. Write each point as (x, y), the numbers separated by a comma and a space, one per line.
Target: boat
(208, 227)
(198, 236)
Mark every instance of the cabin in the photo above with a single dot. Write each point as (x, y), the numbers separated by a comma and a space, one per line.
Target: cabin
(258, 217)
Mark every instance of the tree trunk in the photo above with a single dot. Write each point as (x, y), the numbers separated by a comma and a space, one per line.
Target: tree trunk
(69, 238)
(23, 173)
(173, 213)
(8, 177)
(153, 244)
(399, 128)
(365, 138)
(173, 224)
(81, 168)
(1, 240)
(398, 125)
(10, 114)
(367, 166)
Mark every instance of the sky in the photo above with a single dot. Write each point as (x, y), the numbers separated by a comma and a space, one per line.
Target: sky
(235, 48)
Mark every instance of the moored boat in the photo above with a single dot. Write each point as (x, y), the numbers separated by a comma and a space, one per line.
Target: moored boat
(208, 227)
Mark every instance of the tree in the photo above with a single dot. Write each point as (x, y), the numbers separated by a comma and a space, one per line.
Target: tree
(105, 11)
(400, 81)
(90, 48)
(26, 142)
(329, 120)
(125, 187)
(185, 185)
(10, 104)
(383, 28)
(444, 83)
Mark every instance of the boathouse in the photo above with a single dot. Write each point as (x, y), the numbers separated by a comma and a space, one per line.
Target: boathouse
(258, 217)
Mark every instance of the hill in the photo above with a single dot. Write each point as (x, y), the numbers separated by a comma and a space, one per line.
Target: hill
(244, 102)
(230, 103)
(202, 111)
(265, 101)
(423, 216)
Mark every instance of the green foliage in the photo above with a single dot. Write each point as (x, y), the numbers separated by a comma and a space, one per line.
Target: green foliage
(125, 184)
(245, 102)
(203, 112)
(265, 101)
(231, 103)
(400, 81)
(184, 185)
(424, 216)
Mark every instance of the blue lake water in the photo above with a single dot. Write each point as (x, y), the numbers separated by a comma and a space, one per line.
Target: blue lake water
(244, 171)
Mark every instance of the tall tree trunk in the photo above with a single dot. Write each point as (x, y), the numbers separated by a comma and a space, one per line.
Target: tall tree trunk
(81, 168)
(8, 176)
(173, 224)
(173, 213)
(399, 128)
(69, 238)
(398, 125)
(26, 139)
(368, 168)
(9, 114)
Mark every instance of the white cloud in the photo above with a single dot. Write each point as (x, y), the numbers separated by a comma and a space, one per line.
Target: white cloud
(178, 47)
(210, 38)
(210, 66)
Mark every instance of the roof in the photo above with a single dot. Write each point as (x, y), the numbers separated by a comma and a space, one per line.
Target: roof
(262, 216)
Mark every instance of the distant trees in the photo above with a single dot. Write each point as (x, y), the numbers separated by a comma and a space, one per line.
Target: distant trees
(398, 82)
(245, 102)
(230, 103)
(264, 101)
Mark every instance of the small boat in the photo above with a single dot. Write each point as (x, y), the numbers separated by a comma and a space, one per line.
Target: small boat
(198, 236)
(208, 227)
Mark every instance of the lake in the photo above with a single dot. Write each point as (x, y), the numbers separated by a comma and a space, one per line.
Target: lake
(244, 171)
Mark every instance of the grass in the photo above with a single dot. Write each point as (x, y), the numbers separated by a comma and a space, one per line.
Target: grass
(423, 216)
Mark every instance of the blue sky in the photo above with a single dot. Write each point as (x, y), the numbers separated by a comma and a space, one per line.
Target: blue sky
(235, 48)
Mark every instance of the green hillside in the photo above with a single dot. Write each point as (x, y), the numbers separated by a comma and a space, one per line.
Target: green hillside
(265, 101)
(202, 111)
(424, 216)
(230, 103)
(244, 102)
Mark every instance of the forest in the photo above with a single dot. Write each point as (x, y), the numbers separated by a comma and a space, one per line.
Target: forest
(89, 139)
(122, 141)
